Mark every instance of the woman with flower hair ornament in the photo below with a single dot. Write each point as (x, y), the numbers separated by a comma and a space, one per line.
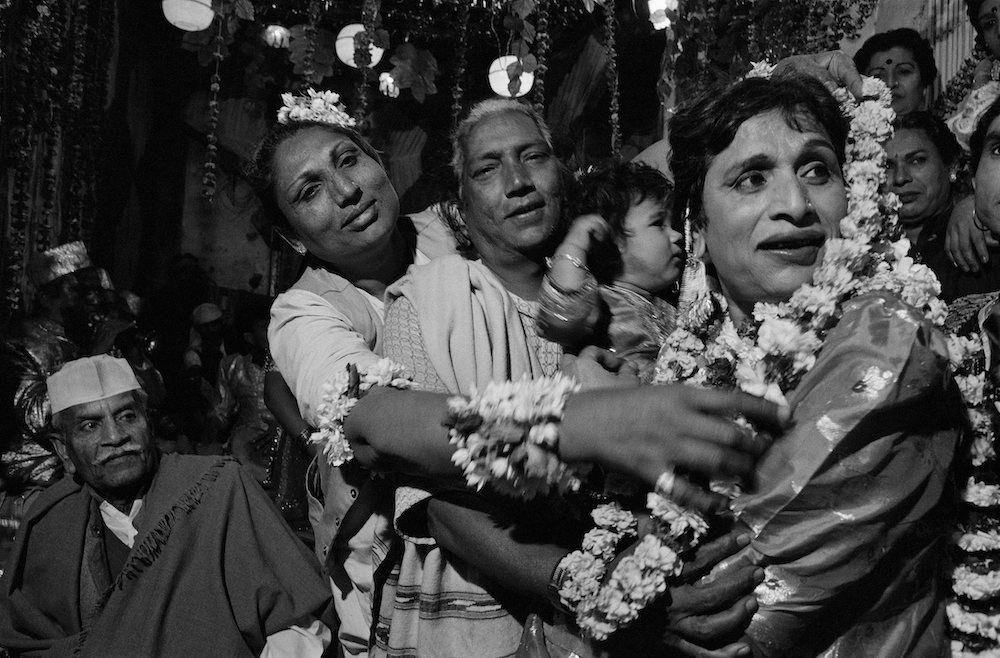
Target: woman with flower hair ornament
(820, 310)
(324, 189)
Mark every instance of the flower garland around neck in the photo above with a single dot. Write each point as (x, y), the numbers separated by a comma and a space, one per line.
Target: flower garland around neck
(973, 611)
(340, 394)
(767, 358)
(321, 106)
(769, 354)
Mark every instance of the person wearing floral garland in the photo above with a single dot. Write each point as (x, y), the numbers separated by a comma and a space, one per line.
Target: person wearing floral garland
(821, 310)
(974, 609)
(474, 565)
(324, 189)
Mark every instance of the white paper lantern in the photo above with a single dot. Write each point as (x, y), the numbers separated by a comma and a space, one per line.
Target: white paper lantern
(345, 45)
(276, 36)
(499, 80)
(189, 15)
(658, 13)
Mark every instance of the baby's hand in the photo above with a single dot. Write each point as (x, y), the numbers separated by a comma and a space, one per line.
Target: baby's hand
(583, 232)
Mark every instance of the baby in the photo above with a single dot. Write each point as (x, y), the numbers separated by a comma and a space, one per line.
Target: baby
(622, 233)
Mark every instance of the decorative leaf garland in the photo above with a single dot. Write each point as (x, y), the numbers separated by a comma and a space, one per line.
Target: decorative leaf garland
(542, 43)
(610, 46)
(212, 149)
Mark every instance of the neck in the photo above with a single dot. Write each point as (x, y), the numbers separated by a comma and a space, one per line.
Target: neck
(912, 232)
(637, 290)
(379, 267)
(520, 275)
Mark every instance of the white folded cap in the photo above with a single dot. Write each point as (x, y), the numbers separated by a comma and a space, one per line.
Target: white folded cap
(89, 379)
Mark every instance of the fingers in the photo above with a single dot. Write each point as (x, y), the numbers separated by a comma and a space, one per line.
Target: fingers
(759, 411)
(979, 244)
(714, 552)
(682, 647)
(728, 623)
(844, 72)
(689, 495)
(606, 359)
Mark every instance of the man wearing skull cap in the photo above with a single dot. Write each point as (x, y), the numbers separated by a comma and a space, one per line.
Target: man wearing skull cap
(141, 555)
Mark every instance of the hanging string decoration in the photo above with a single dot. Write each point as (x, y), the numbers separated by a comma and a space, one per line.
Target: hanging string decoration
(610, 25)
(542, 43)
(55, 58)
(209, 179)
(461, 54)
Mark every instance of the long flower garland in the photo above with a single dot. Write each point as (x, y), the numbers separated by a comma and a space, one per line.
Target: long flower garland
(973, 612)
(770, 357)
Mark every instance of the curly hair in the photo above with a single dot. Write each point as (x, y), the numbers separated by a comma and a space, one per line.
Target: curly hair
(704, 126)
(904, 37)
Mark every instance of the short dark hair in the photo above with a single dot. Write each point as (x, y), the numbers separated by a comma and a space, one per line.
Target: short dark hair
(942, 138)
(611, 192)
(259, 169)
(706, 125)
(978, 140)
(904, 37)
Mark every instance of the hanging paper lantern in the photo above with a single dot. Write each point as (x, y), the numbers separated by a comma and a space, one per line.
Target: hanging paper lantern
(500, 81)
(276, 36)
(189, 15)
(658, 13)
(345, 46)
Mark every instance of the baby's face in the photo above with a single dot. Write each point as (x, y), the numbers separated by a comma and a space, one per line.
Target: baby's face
(652, 254)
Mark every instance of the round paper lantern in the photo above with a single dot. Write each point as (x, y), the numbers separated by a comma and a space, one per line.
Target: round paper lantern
(499, 80)
(189, 15)
(276, 36)
(345, 45)
(658, 14)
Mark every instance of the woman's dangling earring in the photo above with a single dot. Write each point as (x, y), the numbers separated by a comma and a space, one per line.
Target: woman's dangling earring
(296, 245)
(695, 304)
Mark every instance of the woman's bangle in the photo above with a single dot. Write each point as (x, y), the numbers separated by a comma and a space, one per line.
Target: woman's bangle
(304, 435)
(579, 264)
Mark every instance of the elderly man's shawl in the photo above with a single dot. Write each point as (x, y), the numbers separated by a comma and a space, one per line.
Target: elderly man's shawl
(213, 571)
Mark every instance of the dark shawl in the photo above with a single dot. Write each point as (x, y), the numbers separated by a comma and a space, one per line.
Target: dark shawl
(214, 571)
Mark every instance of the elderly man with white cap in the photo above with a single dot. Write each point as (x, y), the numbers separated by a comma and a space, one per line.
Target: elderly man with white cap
(137, 555)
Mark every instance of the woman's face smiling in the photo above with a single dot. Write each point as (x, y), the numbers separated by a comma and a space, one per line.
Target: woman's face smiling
(337, 198)
(772, 199)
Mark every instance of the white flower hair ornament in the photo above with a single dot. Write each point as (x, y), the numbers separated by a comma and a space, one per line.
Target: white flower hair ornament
(320, 106)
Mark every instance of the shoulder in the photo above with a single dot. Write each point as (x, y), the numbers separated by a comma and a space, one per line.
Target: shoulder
(434, 237)
(445, 271)
(880, 333)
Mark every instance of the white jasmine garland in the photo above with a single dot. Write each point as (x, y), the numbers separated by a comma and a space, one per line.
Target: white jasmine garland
(507, 435)
(975, 586)
(340, 394)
